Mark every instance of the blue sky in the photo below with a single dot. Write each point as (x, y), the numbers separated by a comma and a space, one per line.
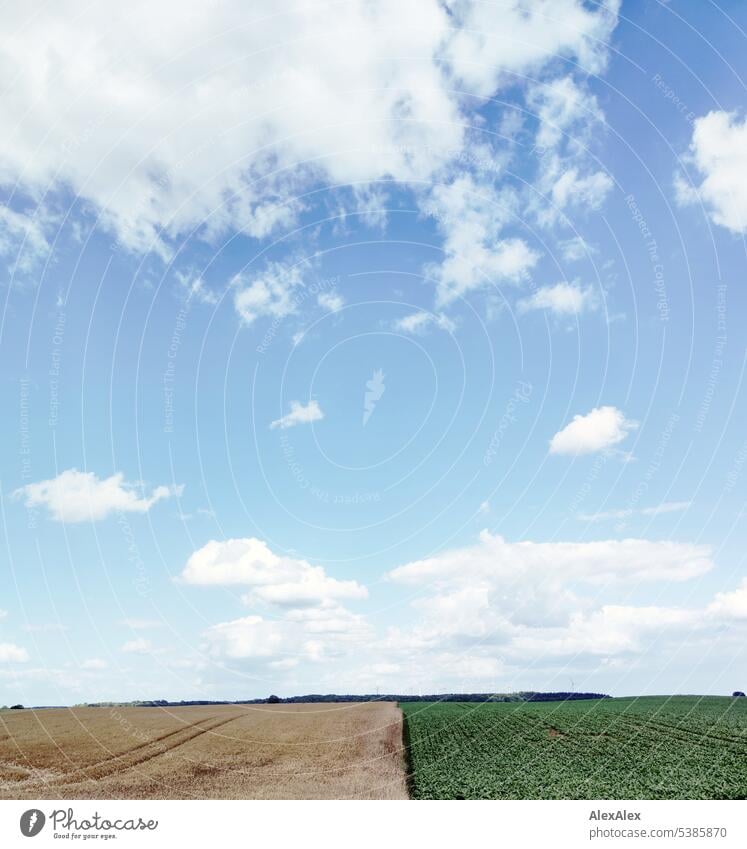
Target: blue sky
(357, 348)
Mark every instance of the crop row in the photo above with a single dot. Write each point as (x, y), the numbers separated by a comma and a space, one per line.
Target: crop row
(607, 750)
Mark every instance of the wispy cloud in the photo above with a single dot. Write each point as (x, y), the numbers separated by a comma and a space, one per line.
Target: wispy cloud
(562, 299)
(418, 322)
(628, 512)
(331, 301)
(299, 414)
(75, 496)
(271, 292)
(138, 646)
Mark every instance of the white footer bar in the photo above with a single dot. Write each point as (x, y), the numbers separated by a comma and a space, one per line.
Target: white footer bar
(310, 824)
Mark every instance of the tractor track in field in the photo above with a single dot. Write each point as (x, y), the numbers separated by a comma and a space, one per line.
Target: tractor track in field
(689, 735)
(138, 755)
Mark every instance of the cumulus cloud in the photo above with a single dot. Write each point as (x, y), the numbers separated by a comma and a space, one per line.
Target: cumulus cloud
(281, 581)
(11, 653)
(522, 601)
(476, 612)
(75, 496)
(284, 643)
(718, 154)
(731, 605)
(495, 559)
(598, 430)
(311, 623)
(562, 299)
(165, 121)
(250, 636)
(611, 630)
(299, 414)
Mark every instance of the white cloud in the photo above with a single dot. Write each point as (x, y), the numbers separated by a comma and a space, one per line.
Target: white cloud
(331, 301)
(561, 104)
(520, 601)
(561, 299)
(139, 646)
(731, 605)
(369, 205)
(418, 322)
(250, 636)
(23, 237)
(271, 292)
(75, 496)
(598, 430)
(718, 153)
(195, 289)
(494, 560)
(11, 653)
(565, 186)
(313, 635)
(480, 612)
(494, 43)
(282, 581)
(628, 512)
(611, 630)
(299, 414)
(590, 190)
(94, 664)
(575, 248)
(3, 614)
(471, 217)
(313, 625)
(167, 121)
(329, 619)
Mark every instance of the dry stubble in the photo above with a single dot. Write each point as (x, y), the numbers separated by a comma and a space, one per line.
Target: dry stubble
(299, 751)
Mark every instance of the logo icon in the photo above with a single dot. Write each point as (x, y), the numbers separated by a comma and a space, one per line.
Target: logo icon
(374, 390)
(32, 822)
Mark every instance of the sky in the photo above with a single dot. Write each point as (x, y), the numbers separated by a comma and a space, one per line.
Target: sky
(372, 347)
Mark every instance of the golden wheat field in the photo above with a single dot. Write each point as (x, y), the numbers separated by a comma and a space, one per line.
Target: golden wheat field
(298, 751)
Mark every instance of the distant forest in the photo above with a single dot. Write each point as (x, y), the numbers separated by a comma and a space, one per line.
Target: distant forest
(527, 696)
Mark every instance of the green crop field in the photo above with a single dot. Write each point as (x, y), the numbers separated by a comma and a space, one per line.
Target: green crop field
(684, 747)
